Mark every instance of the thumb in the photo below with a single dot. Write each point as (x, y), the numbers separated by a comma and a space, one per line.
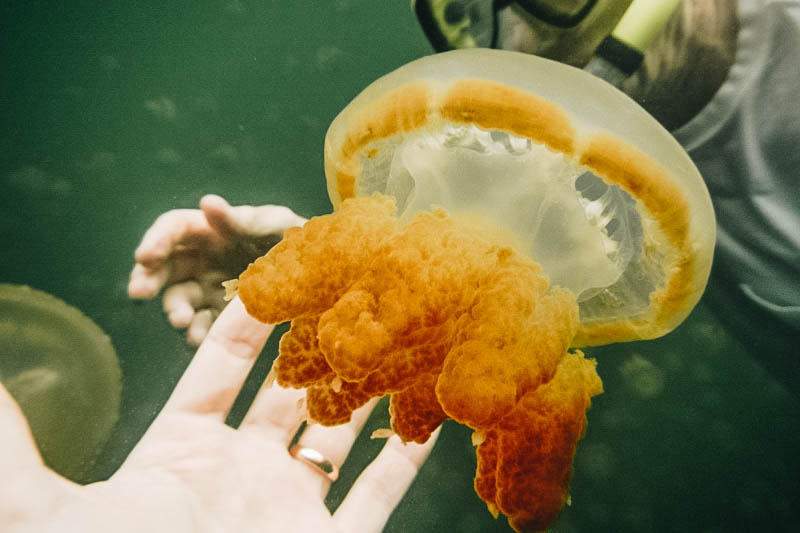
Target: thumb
(30, 493)
(18, 450)
(219, 215)
(246, 219)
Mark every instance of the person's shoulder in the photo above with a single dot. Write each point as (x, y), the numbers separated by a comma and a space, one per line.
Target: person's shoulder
(767, 49)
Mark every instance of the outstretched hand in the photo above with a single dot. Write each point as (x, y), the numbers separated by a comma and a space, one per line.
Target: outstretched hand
(190, 252)
(191, 472)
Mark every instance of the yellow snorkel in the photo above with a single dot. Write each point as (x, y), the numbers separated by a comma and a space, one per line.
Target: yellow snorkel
(621, 53)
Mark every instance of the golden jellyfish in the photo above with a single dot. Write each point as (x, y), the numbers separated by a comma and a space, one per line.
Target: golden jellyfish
(493, 212)
(62, 370)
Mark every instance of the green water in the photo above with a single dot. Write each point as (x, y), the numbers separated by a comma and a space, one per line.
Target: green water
(114, 112)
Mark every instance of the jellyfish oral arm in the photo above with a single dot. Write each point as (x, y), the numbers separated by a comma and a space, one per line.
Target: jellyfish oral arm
(447, 319)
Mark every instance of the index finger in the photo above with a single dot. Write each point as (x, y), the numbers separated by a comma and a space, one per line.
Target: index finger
(168, 232)
(221, 364)
(144, 283)
(381, 486)
(247, 219)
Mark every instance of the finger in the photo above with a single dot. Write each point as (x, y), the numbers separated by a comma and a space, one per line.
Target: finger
(201, 324)
(267, 219)
(382, 485)
(180, 301)
(17, 448)
(246, 219)
(167, 232)
(335, 442)
(276, 413)
(213, 379)
(218, 213)
(145, 282)
(28, 487)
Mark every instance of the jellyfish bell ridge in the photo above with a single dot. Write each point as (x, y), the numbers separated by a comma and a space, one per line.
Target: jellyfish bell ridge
(609, 203)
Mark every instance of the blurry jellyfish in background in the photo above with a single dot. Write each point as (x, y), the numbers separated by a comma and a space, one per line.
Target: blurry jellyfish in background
(645, 378)
(35, 183)
(327, 57)
(169, 157)
(162, 107)
(62, 370)
(225, 155)
(236, 7)
(492, 212)
(109, 63)
(100, 163)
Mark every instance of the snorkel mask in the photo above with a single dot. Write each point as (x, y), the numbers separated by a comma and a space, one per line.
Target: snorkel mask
(451, 24)
(574, 32)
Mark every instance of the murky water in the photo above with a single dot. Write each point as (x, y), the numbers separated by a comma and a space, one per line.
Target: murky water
(114, 112)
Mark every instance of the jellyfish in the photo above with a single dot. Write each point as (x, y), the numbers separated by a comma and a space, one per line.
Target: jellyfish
(494, 212)
(62, 370)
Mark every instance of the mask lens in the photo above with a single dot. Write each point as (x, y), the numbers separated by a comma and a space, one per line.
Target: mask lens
(450, 24)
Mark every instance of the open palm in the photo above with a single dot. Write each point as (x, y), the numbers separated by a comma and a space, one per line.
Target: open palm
(191, 472)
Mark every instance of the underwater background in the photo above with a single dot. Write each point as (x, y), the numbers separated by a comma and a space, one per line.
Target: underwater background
(114, 112)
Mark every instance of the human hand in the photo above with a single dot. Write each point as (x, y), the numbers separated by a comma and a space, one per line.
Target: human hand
(191, 472)
(192, 251)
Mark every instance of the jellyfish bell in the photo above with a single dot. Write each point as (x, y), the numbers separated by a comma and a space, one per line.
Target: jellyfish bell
(62, 370)
(605, 200)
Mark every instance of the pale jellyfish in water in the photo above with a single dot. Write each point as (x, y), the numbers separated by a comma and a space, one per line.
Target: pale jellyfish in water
(62, 370)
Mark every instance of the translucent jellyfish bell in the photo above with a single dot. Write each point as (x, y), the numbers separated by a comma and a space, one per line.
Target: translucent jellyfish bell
(62, 370)
(595, 189)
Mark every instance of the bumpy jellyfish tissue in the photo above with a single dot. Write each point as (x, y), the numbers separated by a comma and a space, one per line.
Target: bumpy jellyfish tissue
(445, 316)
